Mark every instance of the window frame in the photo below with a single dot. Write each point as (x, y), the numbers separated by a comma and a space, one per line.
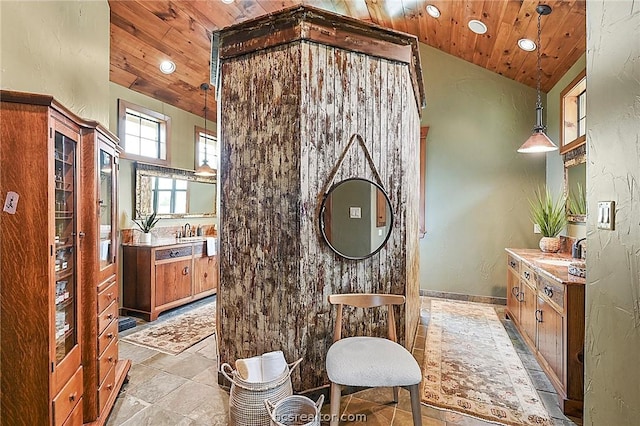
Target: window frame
(196, 140)
(569, 111)
(155, 191)
(164, 120)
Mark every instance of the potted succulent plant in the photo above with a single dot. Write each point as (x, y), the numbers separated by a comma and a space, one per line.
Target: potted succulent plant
(146, 224)
(550, 216)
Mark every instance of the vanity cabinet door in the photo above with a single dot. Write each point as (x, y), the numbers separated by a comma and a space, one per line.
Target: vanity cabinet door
(205, 274)
(550, 339)
(513, 295)
(528, 311)
(173, 281)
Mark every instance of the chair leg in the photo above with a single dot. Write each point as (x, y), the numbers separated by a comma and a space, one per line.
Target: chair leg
(334, 410)
(416, 410)
(395, 394)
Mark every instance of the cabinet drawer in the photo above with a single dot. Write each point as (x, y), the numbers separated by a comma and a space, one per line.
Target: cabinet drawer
(528, 275)
(106, 283)
(106, 296)
(75, 419)
(553, 290)
(107, 336)
(106, 389)
(67, 398)
(514, 264)
(106, 316)
(107, 361)
(174, 252)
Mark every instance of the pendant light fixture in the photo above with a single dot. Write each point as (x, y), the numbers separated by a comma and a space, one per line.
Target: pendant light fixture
(539, 141)
(204, 169)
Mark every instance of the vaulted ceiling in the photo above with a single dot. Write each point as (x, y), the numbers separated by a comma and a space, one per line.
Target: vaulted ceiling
(146, 32)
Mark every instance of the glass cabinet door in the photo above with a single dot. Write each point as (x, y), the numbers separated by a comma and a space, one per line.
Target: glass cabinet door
(107, 206)
(66, 335)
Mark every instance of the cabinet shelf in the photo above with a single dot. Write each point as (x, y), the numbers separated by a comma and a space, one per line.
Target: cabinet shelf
(65, 273)
(64, 304)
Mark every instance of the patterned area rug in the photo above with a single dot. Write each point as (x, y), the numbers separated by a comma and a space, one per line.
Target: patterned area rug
(178, 333)
(470, 366)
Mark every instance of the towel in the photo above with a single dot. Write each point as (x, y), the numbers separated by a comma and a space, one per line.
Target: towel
(212, 246)
(263, 368)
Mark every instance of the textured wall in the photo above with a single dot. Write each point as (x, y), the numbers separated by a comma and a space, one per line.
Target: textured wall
(612, 394)
(60, 48)
(288, 113)
(477, 184)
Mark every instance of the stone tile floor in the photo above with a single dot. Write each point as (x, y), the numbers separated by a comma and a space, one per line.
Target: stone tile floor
(168, 390)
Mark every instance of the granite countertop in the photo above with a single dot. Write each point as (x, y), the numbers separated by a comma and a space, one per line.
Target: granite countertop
(551, 265)
(160, 242)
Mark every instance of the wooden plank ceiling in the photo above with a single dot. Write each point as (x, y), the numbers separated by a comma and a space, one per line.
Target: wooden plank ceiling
(146, 32)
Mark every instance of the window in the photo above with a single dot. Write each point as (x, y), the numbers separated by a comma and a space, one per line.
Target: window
(573, 101)
(169, 195)
(206, 138)
(144, 134)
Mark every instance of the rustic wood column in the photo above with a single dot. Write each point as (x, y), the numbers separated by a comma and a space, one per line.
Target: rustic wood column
(295, 86)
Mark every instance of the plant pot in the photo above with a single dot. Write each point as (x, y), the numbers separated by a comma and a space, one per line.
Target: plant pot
(550, 244)
(145, 238)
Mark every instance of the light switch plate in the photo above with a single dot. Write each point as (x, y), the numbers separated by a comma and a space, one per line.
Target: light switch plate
(606, 215)
(355, 212)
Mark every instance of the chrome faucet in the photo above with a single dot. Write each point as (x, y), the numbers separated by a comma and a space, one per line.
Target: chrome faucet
(187, 230)
(576, 249)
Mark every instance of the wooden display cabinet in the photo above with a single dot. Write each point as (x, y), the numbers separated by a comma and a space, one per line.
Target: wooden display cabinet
(104, 372)
(41, 272)
(59, 298)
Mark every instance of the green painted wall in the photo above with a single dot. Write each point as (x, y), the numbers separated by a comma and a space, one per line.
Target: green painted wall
(60, 48)
(612, 344)
(477, 184)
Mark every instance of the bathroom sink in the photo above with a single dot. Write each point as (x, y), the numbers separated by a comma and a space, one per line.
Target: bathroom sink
(554, 262)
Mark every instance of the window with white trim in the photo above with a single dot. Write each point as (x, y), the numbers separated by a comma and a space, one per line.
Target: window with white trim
(169, 195)
(144, 134)
(209, 139)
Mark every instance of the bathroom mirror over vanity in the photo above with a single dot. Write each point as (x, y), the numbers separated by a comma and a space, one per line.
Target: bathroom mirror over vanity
(356, 218)
(174, 193)
(573, 147)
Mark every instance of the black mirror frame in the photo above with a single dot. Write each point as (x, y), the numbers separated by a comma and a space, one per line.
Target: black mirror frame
(321, 219)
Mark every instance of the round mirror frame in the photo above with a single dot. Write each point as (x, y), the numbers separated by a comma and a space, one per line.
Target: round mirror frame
(322, 219)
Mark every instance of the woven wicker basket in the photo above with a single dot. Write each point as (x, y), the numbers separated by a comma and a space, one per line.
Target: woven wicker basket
(295, 410)
(246, 399)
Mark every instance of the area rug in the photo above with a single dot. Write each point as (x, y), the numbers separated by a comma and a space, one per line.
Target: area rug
(174, 335)
(470, 366)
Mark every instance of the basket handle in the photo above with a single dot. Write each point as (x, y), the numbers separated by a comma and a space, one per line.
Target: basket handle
(225, 374)
(269, 406)
(293, 365)
(319, 402)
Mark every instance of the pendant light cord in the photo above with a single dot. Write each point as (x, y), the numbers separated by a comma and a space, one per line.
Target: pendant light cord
(539, 65)
(205, 87)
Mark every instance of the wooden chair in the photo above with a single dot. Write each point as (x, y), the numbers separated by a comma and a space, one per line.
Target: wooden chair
(365, 361)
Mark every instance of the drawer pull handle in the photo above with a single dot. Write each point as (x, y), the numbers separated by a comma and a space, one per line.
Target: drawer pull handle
(185, 271)
(538, 315)
(109, 386)
(110, 316)
(512, 263)
(73, 396)
(174, 253)
(514, 292)
(520, 297)
(110, 336)
(110, 359)
(109, 296)
(527, 275)
(206, 275)
(548, 291)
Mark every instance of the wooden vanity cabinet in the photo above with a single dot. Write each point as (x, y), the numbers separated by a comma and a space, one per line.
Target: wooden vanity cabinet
(104, 372)
(40, 243)
(550, 316)
(158, 278)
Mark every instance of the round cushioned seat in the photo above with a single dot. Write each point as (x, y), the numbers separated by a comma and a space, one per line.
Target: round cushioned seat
(371, 362)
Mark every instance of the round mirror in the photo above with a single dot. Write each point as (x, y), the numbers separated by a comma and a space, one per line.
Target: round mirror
(356, 218)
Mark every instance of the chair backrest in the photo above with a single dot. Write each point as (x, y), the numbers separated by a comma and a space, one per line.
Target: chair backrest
(366, 300)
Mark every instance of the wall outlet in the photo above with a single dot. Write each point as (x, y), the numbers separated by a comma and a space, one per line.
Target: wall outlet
(536, 229)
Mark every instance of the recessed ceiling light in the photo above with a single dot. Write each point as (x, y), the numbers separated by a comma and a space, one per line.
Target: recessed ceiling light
(526, 44)
(433, 11)
(227, 1)
(477, 27)
(167, 67)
